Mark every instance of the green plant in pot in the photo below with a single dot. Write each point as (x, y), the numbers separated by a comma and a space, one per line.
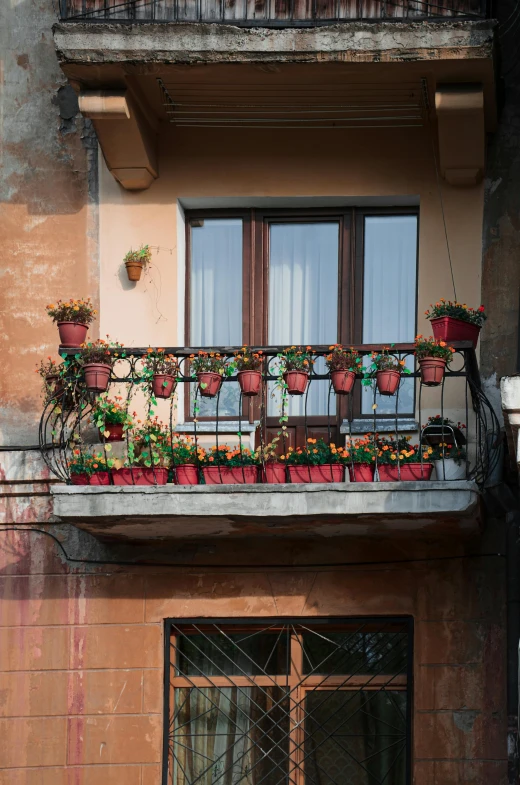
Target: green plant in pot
(248, 364)
(111, 417)
(186, 457)
(210, 368)
(90, 469)
(454, 321)
(343, 364)
(433, 356)
(295, 367)
(97, 359)
(73, 318)
(387, 370)
(317, 462)
(225, 465)
(148, 457)
(360, 456)
(136, 260)
(160, 370)
(450, 461)
(50, 372)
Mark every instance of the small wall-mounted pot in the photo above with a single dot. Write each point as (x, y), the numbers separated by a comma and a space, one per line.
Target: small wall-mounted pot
(134, 270)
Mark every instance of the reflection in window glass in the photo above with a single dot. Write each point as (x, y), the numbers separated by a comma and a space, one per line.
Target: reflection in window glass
(389, 305)
(216, 297)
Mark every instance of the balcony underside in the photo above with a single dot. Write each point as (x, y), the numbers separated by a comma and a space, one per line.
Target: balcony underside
(286, 511)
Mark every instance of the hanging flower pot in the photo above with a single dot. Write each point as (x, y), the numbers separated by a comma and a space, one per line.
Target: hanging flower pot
(72, 334)
(230, 475)
(328, 472)
(432, 370)
(342, 381)
(136, 260)
(140, 475)
(275, 473)
(163, 385)
(134, 270)
(209, 383)
(97, 376)
(412, 472)
(361, 472)
(448, 470)
(187, 474)
(114, 431)
(449, 329)
(296, 382)
(387, 381)
(250, 382)
(388, 473)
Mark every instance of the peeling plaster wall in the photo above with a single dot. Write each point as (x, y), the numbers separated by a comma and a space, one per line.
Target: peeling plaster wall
(48, 207)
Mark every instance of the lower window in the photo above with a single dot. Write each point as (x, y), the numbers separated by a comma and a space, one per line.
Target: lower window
(272, 701)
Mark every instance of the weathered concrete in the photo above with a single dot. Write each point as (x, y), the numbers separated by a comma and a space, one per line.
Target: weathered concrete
(353, 42)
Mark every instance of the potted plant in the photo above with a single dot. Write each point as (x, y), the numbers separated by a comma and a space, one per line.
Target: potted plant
(185, 460)
(360, 456)
(440, 429)
(343, 365)
(433, 355)
(449, 461)
(86, 469)
(50, 373)
(248, 364)
(387, 370)
(97, 359)
(224, 465)
(415, 463)
(317, 462)
(161, 369)
(136, 260)
(454, 321)
(148, 456)
(274, 470)
(295, 366)
(209, 368)
(390, 455)
(111, 418)
(73, 318)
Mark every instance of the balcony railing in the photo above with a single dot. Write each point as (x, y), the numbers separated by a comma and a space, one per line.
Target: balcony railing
(270, 13)
(67, 428)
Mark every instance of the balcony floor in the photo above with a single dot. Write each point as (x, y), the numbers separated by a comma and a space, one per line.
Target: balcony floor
(289, 511)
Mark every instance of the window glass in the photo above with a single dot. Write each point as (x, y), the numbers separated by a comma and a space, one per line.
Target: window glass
(249, 652)
(355, 652)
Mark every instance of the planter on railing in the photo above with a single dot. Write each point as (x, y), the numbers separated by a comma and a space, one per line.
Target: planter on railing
(140, 475)
(115, 433)
(209, 383)
(330, 472)
(412, 472)
(387, 382)
(274, 473)
(432, 371)
(186, 474)
(250, 382)
(362, 472)
(296, 382)
(163, 385)
(72, 334)
(449, 329)
(97, 376)
(388, 473)
(342, 381)
(230, 475)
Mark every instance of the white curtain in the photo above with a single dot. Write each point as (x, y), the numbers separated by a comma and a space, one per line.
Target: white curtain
(389, 303)
(303, 299)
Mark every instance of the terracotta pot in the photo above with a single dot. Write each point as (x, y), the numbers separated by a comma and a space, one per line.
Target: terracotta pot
(163, 385)
(388, 381)
(329, 472)
(115, 433)
(362, 472)
(140, 475)
(72, 334)
(79, 479)
(388, 473)
(224, 475)
(432, 371)
(342, 381)
(212, 382)
(249, 382)
(446, 328)
(450, 470)
(296, 382)
(186, 474)
(100, 478)
(274, 473)
(97, 376)
(134, 270)
(416, 471)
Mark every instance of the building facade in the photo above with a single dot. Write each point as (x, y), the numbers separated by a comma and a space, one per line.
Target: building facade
(304, 174)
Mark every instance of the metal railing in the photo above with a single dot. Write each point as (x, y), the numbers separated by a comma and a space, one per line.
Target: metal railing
(66, 424)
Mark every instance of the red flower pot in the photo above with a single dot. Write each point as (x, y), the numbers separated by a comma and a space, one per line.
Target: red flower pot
(249, 382)
(79, 479)
(100, 478)
(388, 473)
(72, 334)
(416, 471)
(97, 376)
(362, 472)
(140, 475)
(342, 381)
(296, 382)
(211, 381)
(446, 328)
(432, 371)
(115, 433)
(275, 473)
(388, 381)
(329, 472)
(186, 474)
(163, 385)
(225, 475)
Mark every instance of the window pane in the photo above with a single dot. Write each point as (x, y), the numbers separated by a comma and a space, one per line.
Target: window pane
(337, 653)
(389, 299)
(216, 297)
(303, 299)
(238, 653)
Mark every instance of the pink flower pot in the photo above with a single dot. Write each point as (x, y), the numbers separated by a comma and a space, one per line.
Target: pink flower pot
(115, 433)
(72, 334)
(296, 382)
(212, 383)
(387, 381)
(186, 474)
(79, 479)
(362, 472)
(163, 385)
(329, 472)
(388, 473)
(249, 382)
(100, 478)
(411, 472)
(342, 381)
(97, 376)
(140, 475)
(446, 328)
(432, 371)
(274, 473)
(225, 475)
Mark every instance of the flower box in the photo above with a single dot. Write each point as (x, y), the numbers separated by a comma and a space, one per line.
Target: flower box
(230, 475)
(362, 472)
(388, 473)
(186, 474)
(274, 473)
(140, 475)
(329, 472)
(99, 478)
(449, 329)
(412, 472)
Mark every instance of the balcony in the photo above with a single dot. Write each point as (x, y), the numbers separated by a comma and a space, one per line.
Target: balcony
(273, 423)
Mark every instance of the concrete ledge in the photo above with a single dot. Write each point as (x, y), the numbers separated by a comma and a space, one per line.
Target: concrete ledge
(189, 512)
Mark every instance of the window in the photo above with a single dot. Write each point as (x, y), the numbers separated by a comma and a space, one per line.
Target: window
(305, 702)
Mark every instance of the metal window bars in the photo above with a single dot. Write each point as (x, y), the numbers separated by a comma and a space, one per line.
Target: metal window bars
(279, 701)
(65, 417)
